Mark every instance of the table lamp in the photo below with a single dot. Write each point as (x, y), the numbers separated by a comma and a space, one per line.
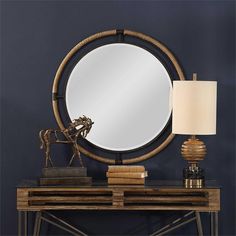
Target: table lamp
(194, 113)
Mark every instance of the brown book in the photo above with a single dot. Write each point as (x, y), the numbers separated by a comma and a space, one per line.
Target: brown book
(126, 168)
(125, 181)
(132, 175)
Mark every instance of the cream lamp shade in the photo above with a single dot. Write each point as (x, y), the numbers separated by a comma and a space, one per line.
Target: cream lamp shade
(194, 107)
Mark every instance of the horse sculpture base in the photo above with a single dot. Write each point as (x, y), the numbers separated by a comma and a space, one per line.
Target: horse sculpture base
(66, 181)
(64, 172)
(73, 176)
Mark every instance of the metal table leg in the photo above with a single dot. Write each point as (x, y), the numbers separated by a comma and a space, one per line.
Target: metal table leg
(56, 221)
(187, 218)
(19, 223)
(22, 223)
(199, 223)
(37, 224)
(214, 223)
(26, 223)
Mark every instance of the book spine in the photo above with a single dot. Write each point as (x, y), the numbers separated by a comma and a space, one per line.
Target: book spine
(125, 181)
(135, 175)
(126, 169)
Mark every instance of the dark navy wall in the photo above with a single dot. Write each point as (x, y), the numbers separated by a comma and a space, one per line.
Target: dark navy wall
(36, 35)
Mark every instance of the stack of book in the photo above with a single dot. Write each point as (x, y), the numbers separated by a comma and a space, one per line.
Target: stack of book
(126, 175)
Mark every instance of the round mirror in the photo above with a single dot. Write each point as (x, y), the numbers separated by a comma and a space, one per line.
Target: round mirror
(125, 90)
(122, 80)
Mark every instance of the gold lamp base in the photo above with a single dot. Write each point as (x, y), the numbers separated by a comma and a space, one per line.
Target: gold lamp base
(193, 150)
(194, 183)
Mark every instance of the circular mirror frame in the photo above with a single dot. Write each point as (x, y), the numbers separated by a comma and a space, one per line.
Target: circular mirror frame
(73, 51)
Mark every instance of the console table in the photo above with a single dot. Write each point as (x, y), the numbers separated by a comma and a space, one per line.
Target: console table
(154, 196)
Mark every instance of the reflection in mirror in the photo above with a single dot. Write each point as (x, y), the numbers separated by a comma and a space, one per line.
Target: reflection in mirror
(125, 90)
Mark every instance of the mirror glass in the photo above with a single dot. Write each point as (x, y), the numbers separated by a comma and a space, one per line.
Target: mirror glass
(125, 90)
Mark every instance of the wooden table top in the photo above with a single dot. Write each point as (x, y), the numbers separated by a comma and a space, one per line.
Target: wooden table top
(178, 184)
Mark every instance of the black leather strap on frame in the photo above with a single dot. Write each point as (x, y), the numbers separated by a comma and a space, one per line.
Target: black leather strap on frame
(118, 160)
(55, 96)
(120, 34)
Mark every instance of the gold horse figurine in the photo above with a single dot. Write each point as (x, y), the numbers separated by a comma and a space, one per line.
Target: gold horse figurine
(78, 128)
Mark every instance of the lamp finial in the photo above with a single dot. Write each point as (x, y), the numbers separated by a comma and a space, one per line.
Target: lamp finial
(194, 76)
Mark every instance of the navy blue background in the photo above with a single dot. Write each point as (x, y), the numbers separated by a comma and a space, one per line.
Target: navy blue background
(35, 37)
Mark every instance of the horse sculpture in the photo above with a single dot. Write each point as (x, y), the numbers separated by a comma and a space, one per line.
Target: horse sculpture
(78, 128)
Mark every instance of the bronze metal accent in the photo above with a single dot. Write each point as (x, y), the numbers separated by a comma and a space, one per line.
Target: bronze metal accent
(72, 52)
(194, 76)
(78, 128)
(193, 150)
(193, 183)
